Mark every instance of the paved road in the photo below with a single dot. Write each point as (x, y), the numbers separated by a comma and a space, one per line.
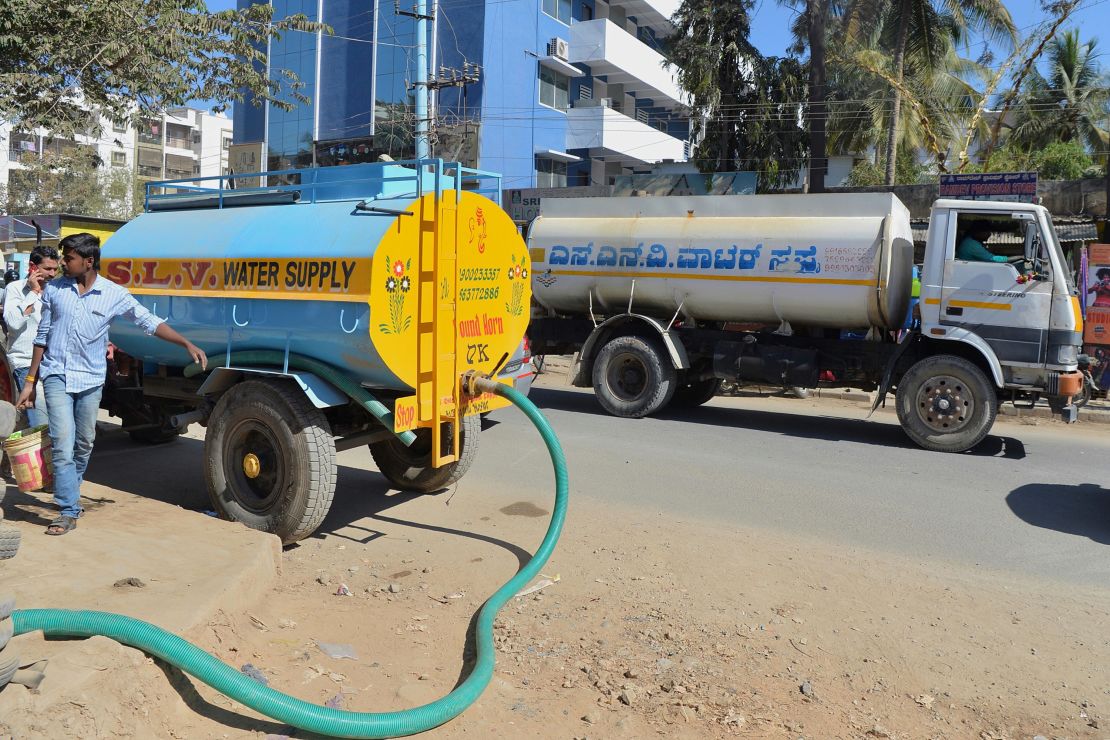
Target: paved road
(1033, 500)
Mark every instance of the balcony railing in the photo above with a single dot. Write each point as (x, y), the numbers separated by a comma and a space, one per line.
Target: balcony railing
(624, 60)
(655, 13)
(641, 115)
(180, 143)
(610, 132)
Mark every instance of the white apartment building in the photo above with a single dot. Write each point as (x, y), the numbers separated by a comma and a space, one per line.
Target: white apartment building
(181, 143)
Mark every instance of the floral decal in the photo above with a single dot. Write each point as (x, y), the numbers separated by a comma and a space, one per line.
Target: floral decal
(518, 274)
(397, 285)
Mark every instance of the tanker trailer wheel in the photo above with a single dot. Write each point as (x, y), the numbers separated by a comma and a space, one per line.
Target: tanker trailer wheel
(633, 377)
(409, 468)
(696, 393)
(270, 459)
(946, 404)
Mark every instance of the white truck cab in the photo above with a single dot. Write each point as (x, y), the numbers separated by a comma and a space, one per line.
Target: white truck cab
(1022, 315)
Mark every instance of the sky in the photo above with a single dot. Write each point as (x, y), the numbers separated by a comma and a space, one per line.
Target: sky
(771, 23)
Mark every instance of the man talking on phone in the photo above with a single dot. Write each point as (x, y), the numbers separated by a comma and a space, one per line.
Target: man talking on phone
(22, 313)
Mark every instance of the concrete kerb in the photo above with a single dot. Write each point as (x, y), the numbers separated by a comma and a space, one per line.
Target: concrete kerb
(190, 567)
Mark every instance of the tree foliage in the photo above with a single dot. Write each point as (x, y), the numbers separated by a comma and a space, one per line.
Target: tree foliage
(128, 58)
(1068, 104)
(73, 181)
(908, 171)
(921, 30)
(1060, 160)
(746, 109)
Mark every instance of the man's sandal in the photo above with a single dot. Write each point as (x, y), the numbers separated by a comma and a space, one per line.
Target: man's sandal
(61, 525)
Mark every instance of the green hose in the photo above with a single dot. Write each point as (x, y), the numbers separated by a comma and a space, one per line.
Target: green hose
(296, 712)
(362, 396)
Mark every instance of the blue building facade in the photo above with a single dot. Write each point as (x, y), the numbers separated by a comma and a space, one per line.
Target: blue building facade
(568, 92)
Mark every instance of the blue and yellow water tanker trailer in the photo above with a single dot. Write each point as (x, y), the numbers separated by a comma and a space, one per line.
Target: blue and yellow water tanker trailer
(339, 308)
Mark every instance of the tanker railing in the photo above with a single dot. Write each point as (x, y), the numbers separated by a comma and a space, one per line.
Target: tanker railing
(310, 181)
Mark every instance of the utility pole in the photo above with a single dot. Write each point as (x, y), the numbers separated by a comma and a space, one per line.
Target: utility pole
(423, 144)
(420, 75)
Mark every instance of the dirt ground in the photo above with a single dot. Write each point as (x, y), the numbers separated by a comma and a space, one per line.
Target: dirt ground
(655, 627)
(652, 627)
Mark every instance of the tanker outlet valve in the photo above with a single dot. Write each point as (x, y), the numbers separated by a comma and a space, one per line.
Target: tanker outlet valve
(475, 384)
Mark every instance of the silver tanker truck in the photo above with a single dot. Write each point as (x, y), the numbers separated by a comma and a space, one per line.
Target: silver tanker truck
(663, 298)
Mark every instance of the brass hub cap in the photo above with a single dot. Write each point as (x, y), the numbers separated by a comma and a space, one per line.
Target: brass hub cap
(252, 467)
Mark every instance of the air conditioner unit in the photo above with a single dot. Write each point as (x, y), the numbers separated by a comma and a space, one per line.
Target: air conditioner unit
(558, 48)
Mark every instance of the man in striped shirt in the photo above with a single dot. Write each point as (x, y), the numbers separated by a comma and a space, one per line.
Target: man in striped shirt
(70, 359)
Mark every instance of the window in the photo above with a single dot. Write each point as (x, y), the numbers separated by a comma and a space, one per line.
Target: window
(119, 159)
(550, 174)
(559, 9)
(119, 126)
(554, 89)
(227, 142)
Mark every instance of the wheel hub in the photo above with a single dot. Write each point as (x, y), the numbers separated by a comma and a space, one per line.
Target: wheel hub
(628, 377)
(252, 467)
(945, 403)
(255, 465)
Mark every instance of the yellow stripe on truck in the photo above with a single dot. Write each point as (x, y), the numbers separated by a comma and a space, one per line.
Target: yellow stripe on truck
(972, 304)
(1077, 312)
(981, 304)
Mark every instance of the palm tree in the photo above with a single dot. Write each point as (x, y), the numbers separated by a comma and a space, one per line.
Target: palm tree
(1070, 103)
(913, 28)
(938, 87)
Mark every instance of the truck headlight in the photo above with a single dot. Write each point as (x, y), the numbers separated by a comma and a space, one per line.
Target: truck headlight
(1067, 354)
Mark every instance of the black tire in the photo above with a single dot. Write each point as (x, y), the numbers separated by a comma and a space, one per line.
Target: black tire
(692, 395)
(946, 404)
(1086, 393)
(9, 542)
(409, 469)
(633, 377)
(270, 459)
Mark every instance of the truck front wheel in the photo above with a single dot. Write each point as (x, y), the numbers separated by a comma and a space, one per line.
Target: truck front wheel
(946, 404)
(409, 468)
(633, 377)
(270, 459)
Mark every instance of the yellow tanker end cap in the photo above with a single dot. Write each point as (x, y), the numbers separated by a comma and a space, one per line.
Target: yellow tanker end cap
(450, 293)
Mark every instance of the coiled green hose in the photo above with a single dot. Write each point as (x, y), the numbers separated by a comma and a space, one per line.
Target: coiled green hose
(296, 712)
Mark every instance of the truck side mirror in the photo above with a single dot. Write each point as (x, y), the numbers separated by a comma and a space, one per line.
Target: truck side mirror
(1031, 245)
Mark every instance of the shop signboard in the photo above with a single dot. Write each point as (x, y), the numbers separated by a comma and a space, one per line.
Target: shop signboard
(1019, 187)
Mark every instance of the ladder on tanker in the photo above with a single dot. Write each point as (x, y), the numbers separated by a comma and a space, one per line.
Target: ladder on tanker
(438, 389)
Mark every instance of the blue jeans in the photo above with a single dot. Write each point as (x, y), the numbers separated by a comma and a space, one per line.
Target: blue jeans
(72, 433)
(35, 416)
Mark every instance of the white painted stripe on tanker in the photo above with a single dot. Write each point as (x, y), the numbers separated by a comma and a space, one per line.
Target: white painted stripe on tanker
(692, 276)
